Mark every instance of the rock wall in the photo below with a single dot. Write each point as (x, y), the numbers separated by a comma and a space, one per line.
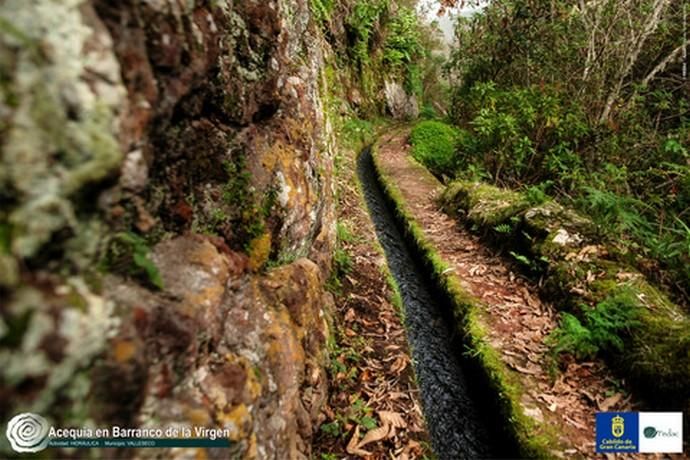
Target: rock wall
(166, 218)
(400, 105)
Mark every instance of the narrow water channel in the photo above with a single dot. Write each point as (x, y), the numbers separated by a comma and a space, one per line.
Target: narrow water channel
(457, 422)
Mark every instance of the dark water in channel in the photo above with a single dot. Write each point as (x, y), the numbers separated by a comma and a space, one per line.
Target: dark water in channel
(460, 425)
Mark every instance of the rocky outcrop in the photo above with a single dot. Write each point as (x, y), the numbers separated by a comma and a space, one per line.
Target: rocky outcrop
(166, 217)
(400, 105)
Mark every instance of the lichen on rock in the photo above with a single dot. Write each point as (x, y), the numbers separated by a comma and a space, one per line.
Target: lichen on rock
(159, 160)
(65, 96)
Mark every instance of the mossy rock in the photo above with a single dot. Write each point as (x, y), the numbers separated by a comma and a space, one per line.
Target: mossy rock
(657, 353)
(581, 273)
(483, 204)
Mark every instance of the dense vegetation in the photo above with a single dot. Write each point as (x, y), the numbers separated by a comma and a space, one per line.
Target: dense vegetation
(381, 40)
(585, 102)
(433, 144)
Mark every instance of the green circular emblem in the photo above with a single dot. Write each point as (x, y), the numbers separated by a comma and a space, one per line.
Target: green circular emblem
(649, 432)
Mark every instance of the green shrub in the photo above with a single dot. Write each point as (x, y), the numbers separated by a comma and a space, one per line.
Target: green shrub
(522, 134)
(614, 213)
(403, 43)
(434, 144)
(361, 23)
(403, 49)
(601, 329)
(536, 194)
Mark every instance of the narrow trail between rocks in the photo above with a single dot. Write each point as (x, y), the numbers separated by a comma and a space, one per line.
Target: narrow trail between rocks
(454, 419)
(370, 364)
(516, 320)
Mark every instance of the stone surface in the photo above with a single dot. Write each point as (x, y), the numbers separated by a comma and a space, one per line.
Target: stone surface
(157, 158)
(402, 106)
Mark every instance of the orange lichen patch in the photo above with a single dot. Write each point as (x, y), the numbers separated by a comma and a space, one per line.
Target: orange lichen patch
(298, 288)
(252, 451)
(252, 384)
(237, 421)
(198, 417)
(200, 454)
(124, 350)
(207, 297)
(279, 157)
(259, 250)
(296, 191)
(283, 351)
(205, 254)
(209, 292)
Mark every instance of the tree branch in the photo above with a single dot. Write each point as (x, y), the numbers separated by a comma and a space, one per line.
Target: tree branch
(673, 55)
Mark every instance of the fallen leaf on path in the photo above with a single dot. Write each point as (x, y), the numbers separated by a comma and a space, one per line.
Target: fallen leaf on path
(353, 281)
(353, 445)
(535, 413)
(589, 396)
(531, 370)
(392, 418)
(609, 402)
(374, 435)
(412, 448)
(399, 365)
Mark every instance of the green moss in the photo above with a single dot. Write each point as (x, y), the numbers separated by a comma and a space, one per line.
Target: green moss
(395, 297)
(656, 353)
(239, 208)
(483, 204)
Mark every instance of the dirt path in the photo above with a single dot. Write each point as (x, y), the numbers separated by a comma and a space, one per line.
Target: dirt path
(516, 319)
(373, 394)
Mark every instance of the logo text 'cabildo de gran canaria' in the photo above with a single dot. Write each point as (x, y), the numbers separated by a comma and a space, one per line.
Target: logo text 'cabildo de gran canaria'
(27, 433)
(617, 432)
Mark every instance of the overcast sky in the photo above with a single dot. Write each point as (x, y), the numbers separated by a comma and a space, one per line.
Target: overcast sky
(430, 8)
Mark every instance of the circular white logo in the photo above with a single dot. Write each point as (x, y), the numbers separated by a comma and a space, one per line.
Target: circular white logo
(28, 432)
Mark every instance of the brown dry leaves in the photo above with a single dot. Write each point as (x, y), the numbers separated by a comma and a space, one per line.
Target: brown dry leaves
(389, 422)
(373, 365)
